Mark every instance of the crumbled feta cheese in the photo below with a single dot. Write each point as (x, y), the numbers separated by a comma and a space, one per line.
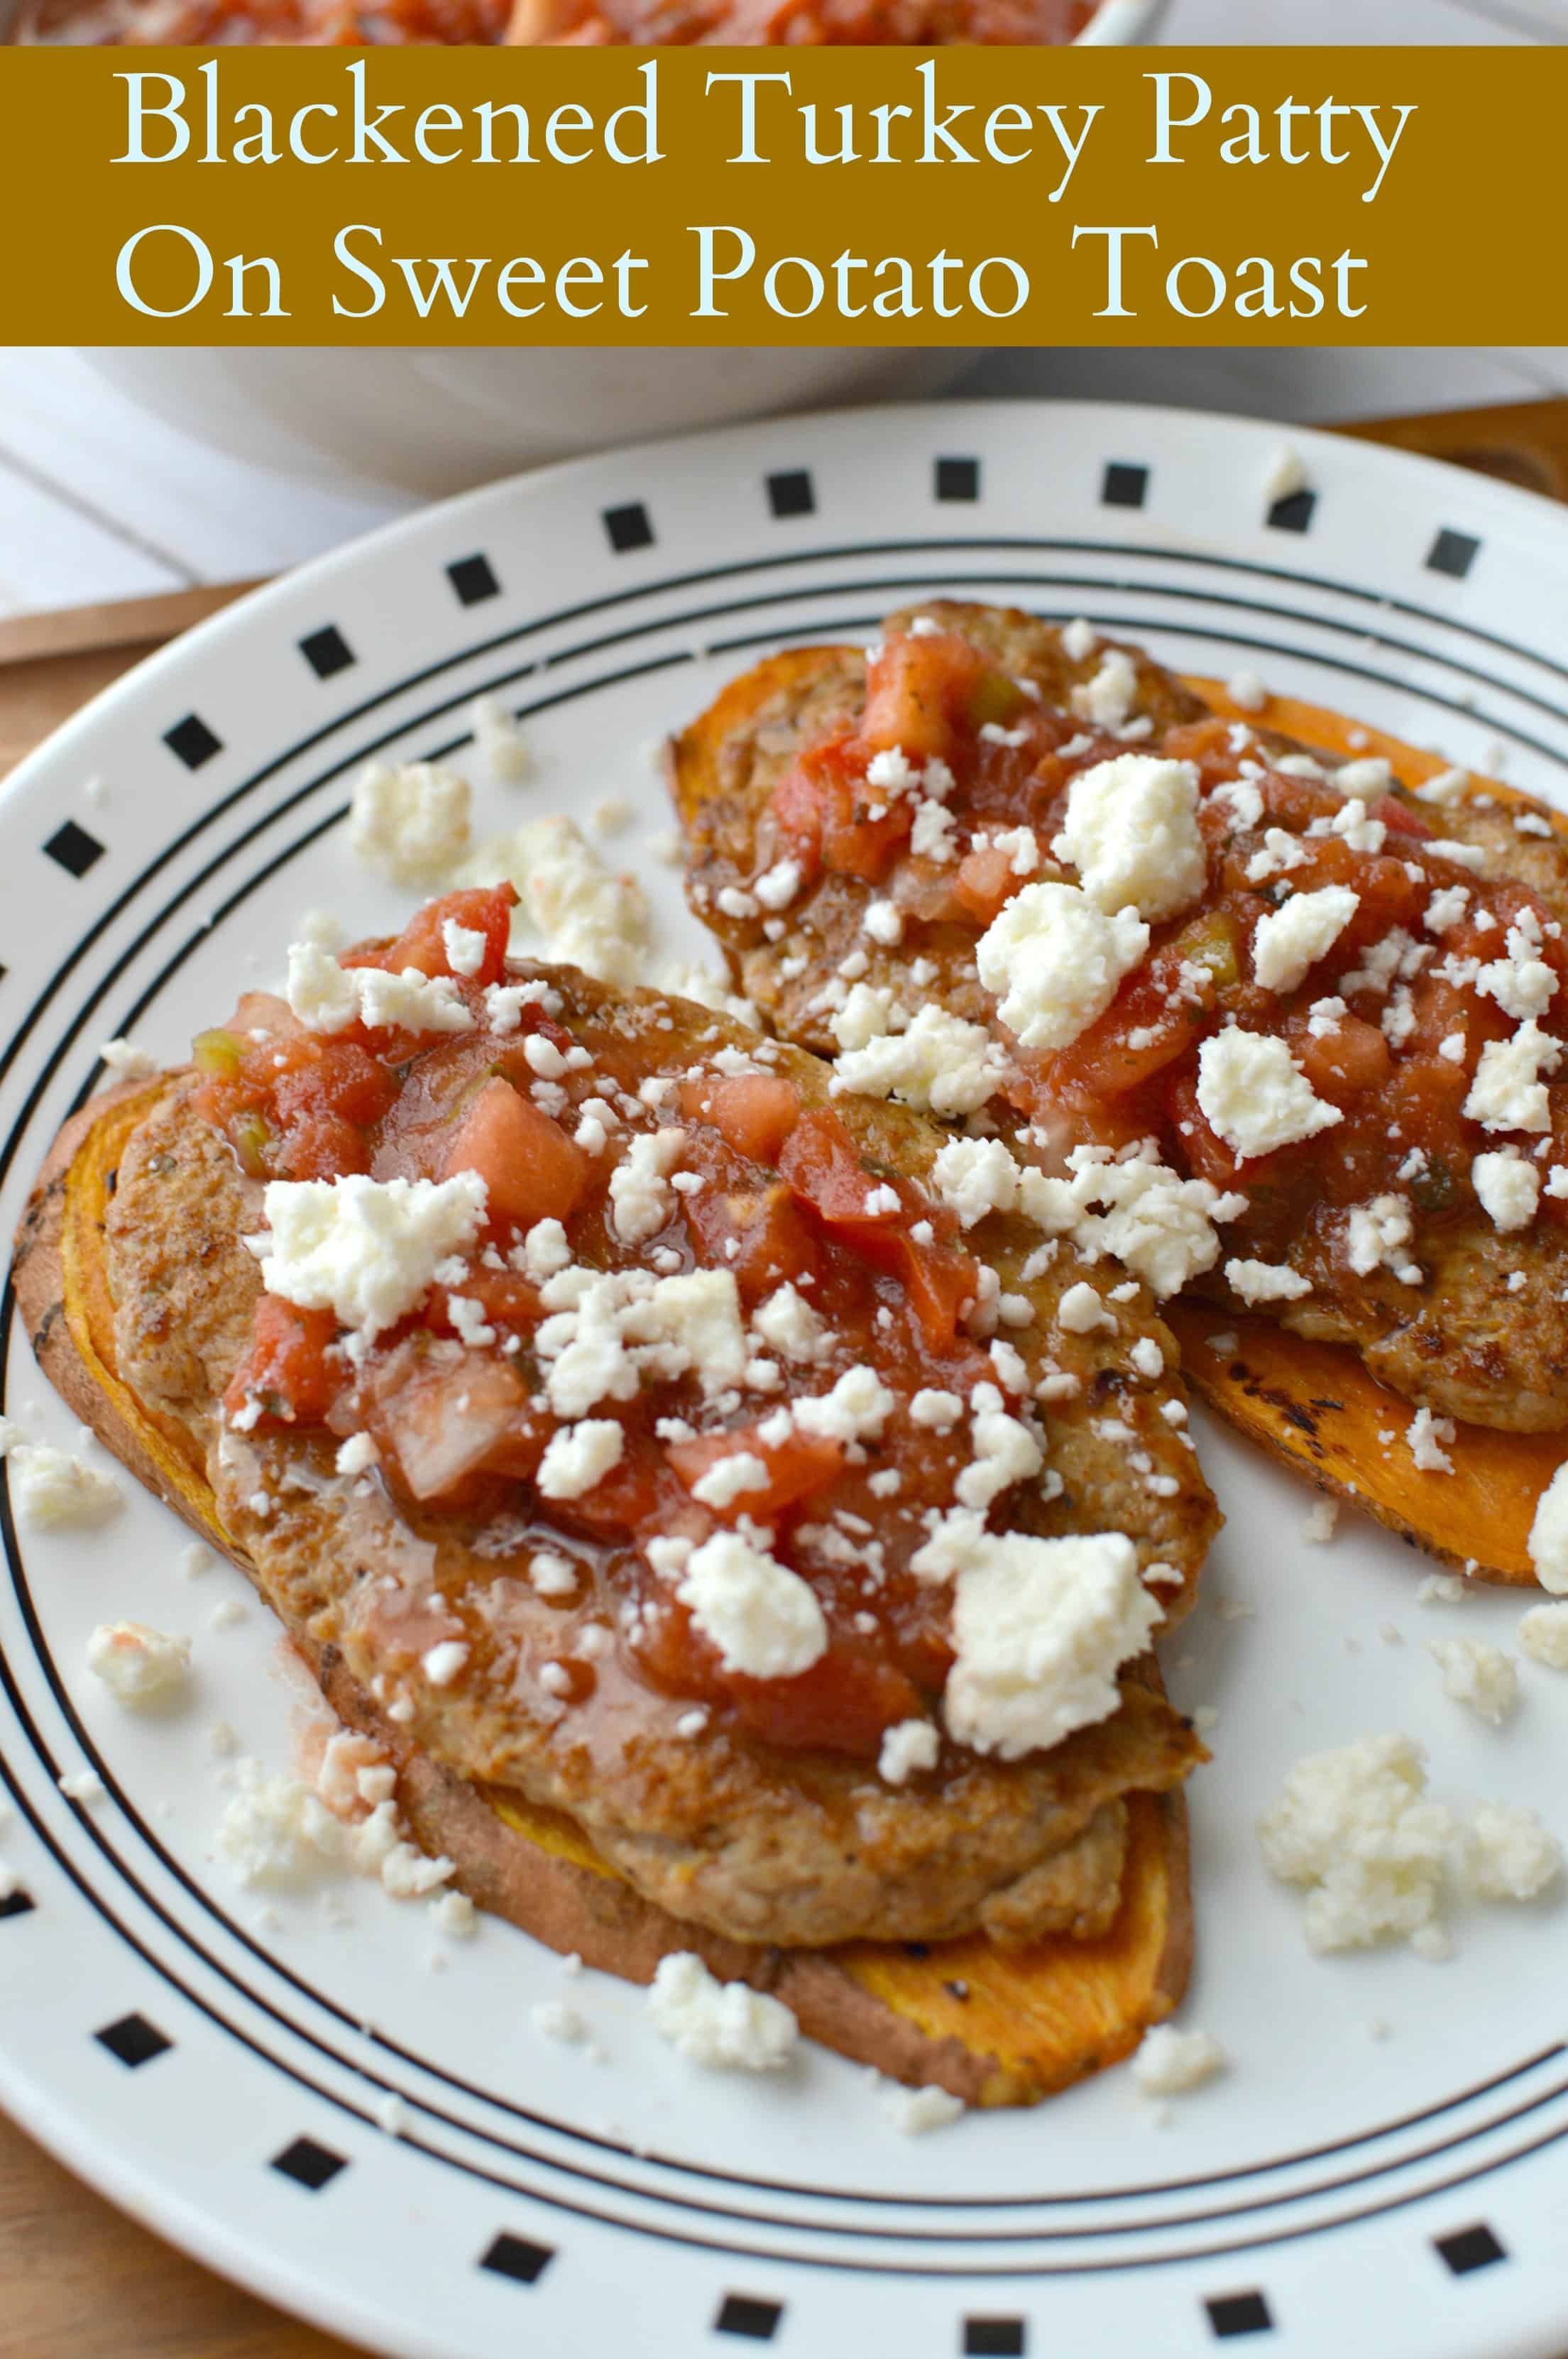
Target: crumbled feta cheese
(587, 915)
(1263, 1281)
(1279, 853)
(974, 1177)
(786, 1322)
(1543, 1635)
(1108, 699)
(1248, 690)
(1006, 1453)
(1054, 959)
(1079, 640)
(940, 1065)
(916, 2112)
(409, 820)
(1131, 830)
(1548, 1534)
(127, 1063)
(608, 1332)
(455, 1915)
(1511, 1855)
(443, 1662)
(723, 2025)
(855, 1410)
(1039, 1629)
(1426, 1434)
(1447, 787)
(464, 946)
(1286, 476)
(552, 2018)
(1506, 1188)
(729, 1478)
(640, 1200)
(1378, 1232)
(275, 1832)
(140, 1668)
(498, 739)
(908, 1747)
(1318, 1523)
(55, 1492)
(1352, 1826)
(1081, 1310)
(1138, 1211)
(364, 1249)
(327, 997)
(763, 1618)
(1291, 940)
(1253, 1093)
(578, 1457)
(357, 1455)
(777, 886)
(1478, 1676)
(1169, 2062)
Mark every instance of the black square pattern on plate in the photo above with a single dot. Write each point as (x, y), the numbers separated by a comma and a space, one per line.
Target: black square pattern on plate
(474, 579)
(791, 493)
(516, 2258)
(74, 848)
(133, 2039)
(958, 479)
(193, 741)
(311, 2165)
(327, 651)
(1239, 2313)
(1294, 512)
(18, 1904)
(742, 2313)
(629, 528)
(1453, 553)
(1470, 2248)
(995, 2338)
(1123, 486)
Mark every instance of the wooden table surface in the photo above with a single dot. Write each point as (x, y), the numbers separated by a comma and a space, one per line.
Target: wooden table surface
(78, 2279)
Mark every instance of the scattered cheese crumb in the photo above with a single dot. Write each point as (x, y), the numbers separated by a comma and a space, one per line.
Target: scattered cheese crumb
(1169, 2062)
(1478, 1676)
(1543, 1635)
(55, 1492)
(409, 820)
(727, 2025)
(141, 1668)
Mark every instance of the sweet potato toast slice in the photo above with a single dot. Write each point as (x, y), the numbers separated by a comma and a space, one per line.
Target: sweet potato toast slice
(723, 772)
(1315, 1405)
(1035, 2018)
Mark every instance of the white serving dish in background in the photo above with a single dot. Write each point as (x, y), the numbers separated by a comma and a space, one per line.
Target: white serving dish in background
(443, 418)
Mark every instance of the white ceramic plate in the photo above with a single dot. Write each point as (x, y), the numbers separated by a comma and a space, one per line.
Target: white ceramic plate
(1393, 2197)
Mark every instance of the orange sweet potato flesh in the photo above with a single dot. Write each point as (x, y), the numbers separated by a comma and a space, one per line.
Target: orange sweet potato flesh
(1314, 1405)
(1034, 2019)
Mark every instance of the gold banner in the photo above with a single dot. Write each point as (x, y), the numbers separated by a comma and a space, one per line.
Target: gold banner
(697, 196)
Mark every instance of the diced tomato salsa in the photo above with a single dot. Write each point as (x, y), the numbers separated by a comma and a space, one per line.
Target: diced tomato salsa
(772, 1191)
(942, 726)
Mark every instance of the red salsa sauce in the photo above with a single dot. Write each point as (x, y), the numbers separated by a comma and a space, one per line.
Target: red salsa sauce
(531, 23)
(455, 1398)
(1132, 1074)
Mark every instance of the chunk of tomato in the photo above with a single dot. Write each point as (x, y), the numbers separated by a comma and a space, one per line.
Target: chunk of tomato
(799, 1464)
(484, 909)
(918, 692)
(754, 1112)
(1343, 1063)
(287, 1367)
(531, 1170)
